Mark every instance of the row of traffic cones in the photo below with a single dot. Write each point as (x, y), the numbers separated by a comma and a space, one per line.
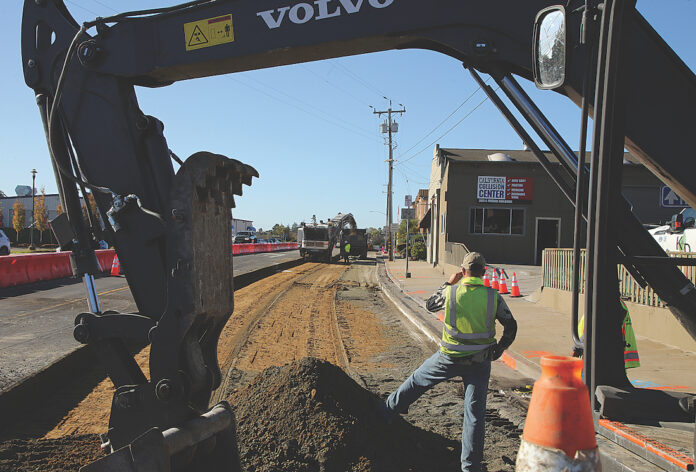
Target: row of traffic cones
(501, 286)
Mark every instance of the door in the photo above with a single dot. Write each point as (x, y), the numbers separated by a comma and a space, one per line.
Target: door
(548, 234)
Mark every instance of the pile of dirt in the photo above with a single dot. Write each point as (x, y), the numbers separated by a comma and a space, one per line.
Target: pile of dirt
(58, 455)
(311, 416)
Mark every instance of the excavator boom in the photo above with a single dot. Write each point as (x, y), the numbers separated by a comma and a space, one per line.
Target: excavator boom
(84, 78)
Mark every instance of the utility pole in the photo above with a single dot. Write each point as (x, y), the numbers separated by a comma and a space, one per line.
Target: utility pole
(390, 128)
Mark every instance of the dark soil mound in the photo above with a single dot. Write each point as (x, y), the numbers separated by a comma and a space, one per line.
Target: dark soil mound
(311, 416)
(64, 454)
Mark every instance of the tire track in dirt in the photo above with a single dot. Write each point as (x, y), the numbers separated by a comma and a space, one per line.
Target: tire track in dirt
(91, 414)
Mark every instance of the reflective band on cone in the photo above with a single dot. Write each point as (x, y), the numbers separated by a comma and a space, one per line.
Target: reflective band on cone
(515, 290)
(494, 282)
(116, 267)
(486, 282)
(502, 288)
(559, 431)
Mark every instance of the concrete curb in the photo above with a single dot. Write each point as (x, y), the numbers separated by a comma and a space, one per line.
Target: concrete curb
(21, 396)
(407, 311)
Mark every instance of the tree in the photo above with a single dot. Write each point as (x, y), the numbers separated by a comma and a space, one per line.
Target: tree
(93, 207)
(376, 236)
(41, 213)
(59, 209)
(417, 249)
(412, 229)
(19, 219)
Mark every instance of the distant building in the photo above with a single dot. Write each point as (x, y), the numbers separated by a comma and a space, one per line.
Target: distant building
(52, 201)
(504, 205)
(421, 205)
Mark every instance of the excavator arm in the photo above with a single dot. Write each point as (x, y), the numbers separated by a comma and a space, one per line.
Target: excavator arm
(84, 78)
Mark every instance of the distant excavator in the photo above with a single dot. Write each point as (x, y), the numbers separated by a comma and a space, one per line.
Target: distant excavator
(323, 240)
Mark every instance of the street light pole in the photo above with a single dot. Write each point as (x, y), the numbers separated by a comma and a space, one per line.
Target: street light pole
(33, 207)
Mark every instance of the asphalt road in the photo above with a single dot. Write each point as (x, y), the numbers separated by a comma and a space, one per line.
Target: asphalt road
(36, 320)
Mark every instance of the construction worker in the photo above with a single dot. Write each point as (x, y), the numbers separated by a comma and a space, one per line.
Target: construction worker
(631, 358)
(346, 251)
(466, 350)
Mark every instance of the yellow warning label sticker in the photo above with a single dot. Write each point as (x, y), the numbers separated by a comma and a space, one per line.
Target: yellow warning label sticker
(208, 32)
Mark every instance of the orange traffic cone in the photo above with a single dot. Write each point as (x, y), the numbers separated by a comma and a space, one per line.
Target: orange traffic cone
(494, 282)
(559, 432)
(502, 288)
(486, 282)
(116, 267)
(515, 290)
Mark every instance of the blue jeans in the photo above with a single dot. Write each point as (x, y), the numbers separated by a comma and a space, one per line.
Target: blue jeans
(475, 376)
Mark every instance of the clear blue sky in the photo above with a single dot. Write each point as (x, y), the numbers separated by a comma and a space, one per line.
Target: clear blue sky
(308, 128)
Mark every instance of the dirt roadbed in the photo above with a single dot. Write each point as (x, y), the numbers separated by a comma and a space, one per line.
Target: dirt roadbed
(305, 356)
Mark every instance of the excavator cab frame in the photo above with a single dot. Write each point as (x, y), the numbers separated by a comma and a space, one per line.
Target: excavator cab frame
(84, 78)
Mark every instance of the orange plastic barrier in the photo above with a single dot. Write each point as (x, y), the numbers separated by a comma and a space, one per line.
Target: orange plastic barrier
(255, 248)
(27, 268)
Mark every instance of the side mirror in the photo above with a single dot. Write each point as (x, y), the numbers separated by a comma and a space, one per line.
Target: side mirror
(550, 48)
(677, 225)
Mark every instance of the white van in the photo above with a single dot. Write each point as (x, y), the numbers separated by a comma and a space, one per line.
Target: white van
(4, 244)
(679, 234)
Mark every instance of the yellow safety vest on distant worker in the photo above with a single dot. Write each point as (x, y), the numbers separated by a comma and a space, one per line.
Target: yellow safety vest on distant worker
(469, 318)
(346, 248)
(631, 358)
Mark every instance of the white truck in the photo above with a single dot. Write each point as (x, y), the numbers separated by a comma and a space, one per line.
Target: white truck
(679, 234)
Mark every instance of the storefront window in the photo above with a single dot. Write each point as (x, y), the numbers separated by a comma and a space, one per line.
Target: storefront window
(496, 221)
(476, 220)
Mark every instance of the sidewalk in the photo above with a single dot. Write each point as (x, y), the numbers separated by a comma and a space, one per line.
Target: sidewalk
(543, 331)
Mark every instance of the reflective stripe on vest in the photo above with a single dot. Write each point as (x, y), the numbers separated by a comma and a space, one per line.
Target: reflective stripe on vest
(453, 340)
(452, 321)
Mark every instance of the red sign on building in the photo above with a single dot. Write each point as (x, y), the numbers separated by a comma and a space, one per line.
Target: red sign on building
(518, 188)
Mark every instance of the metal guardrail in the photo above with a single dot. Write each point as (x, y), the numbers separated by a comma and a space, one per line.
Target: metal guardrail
(557, 269)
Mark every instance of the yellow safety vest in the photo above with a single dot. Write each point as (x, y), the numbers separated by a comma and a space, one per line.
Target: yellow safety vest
(346, 248)
(631, 358)
(469, 318)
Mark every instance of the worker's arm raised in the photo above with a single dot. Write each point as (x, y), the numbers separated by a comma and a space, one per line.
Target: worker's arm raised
(436, 302)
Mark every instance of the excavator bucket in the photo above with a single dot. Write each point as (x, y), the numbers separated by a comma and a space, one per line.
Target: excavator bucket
(208, 441)
(165, 422)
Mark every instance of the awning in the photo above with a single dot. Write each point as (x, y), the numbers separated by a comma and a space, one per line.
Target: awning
(425, 221)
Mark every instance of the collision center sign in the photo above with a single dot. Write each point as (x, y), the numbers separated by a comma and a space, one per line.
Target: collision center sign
(494, 189)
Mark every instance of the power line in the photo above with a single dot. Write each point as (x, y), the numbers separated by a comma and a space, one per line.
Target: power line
(364, 83)
(442, 122)
(360, 132)
(304, 102)
(448, 131)
(84, 8)
(334, 85)
(105, 6)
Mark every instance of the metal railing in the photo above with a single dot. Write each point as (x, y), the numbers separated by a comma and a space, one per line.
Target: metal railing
(455, 252)
(557, 267)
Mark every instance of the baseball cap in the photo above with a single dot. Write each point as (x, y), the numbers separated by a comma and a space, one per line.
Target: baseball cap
(473, 259)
